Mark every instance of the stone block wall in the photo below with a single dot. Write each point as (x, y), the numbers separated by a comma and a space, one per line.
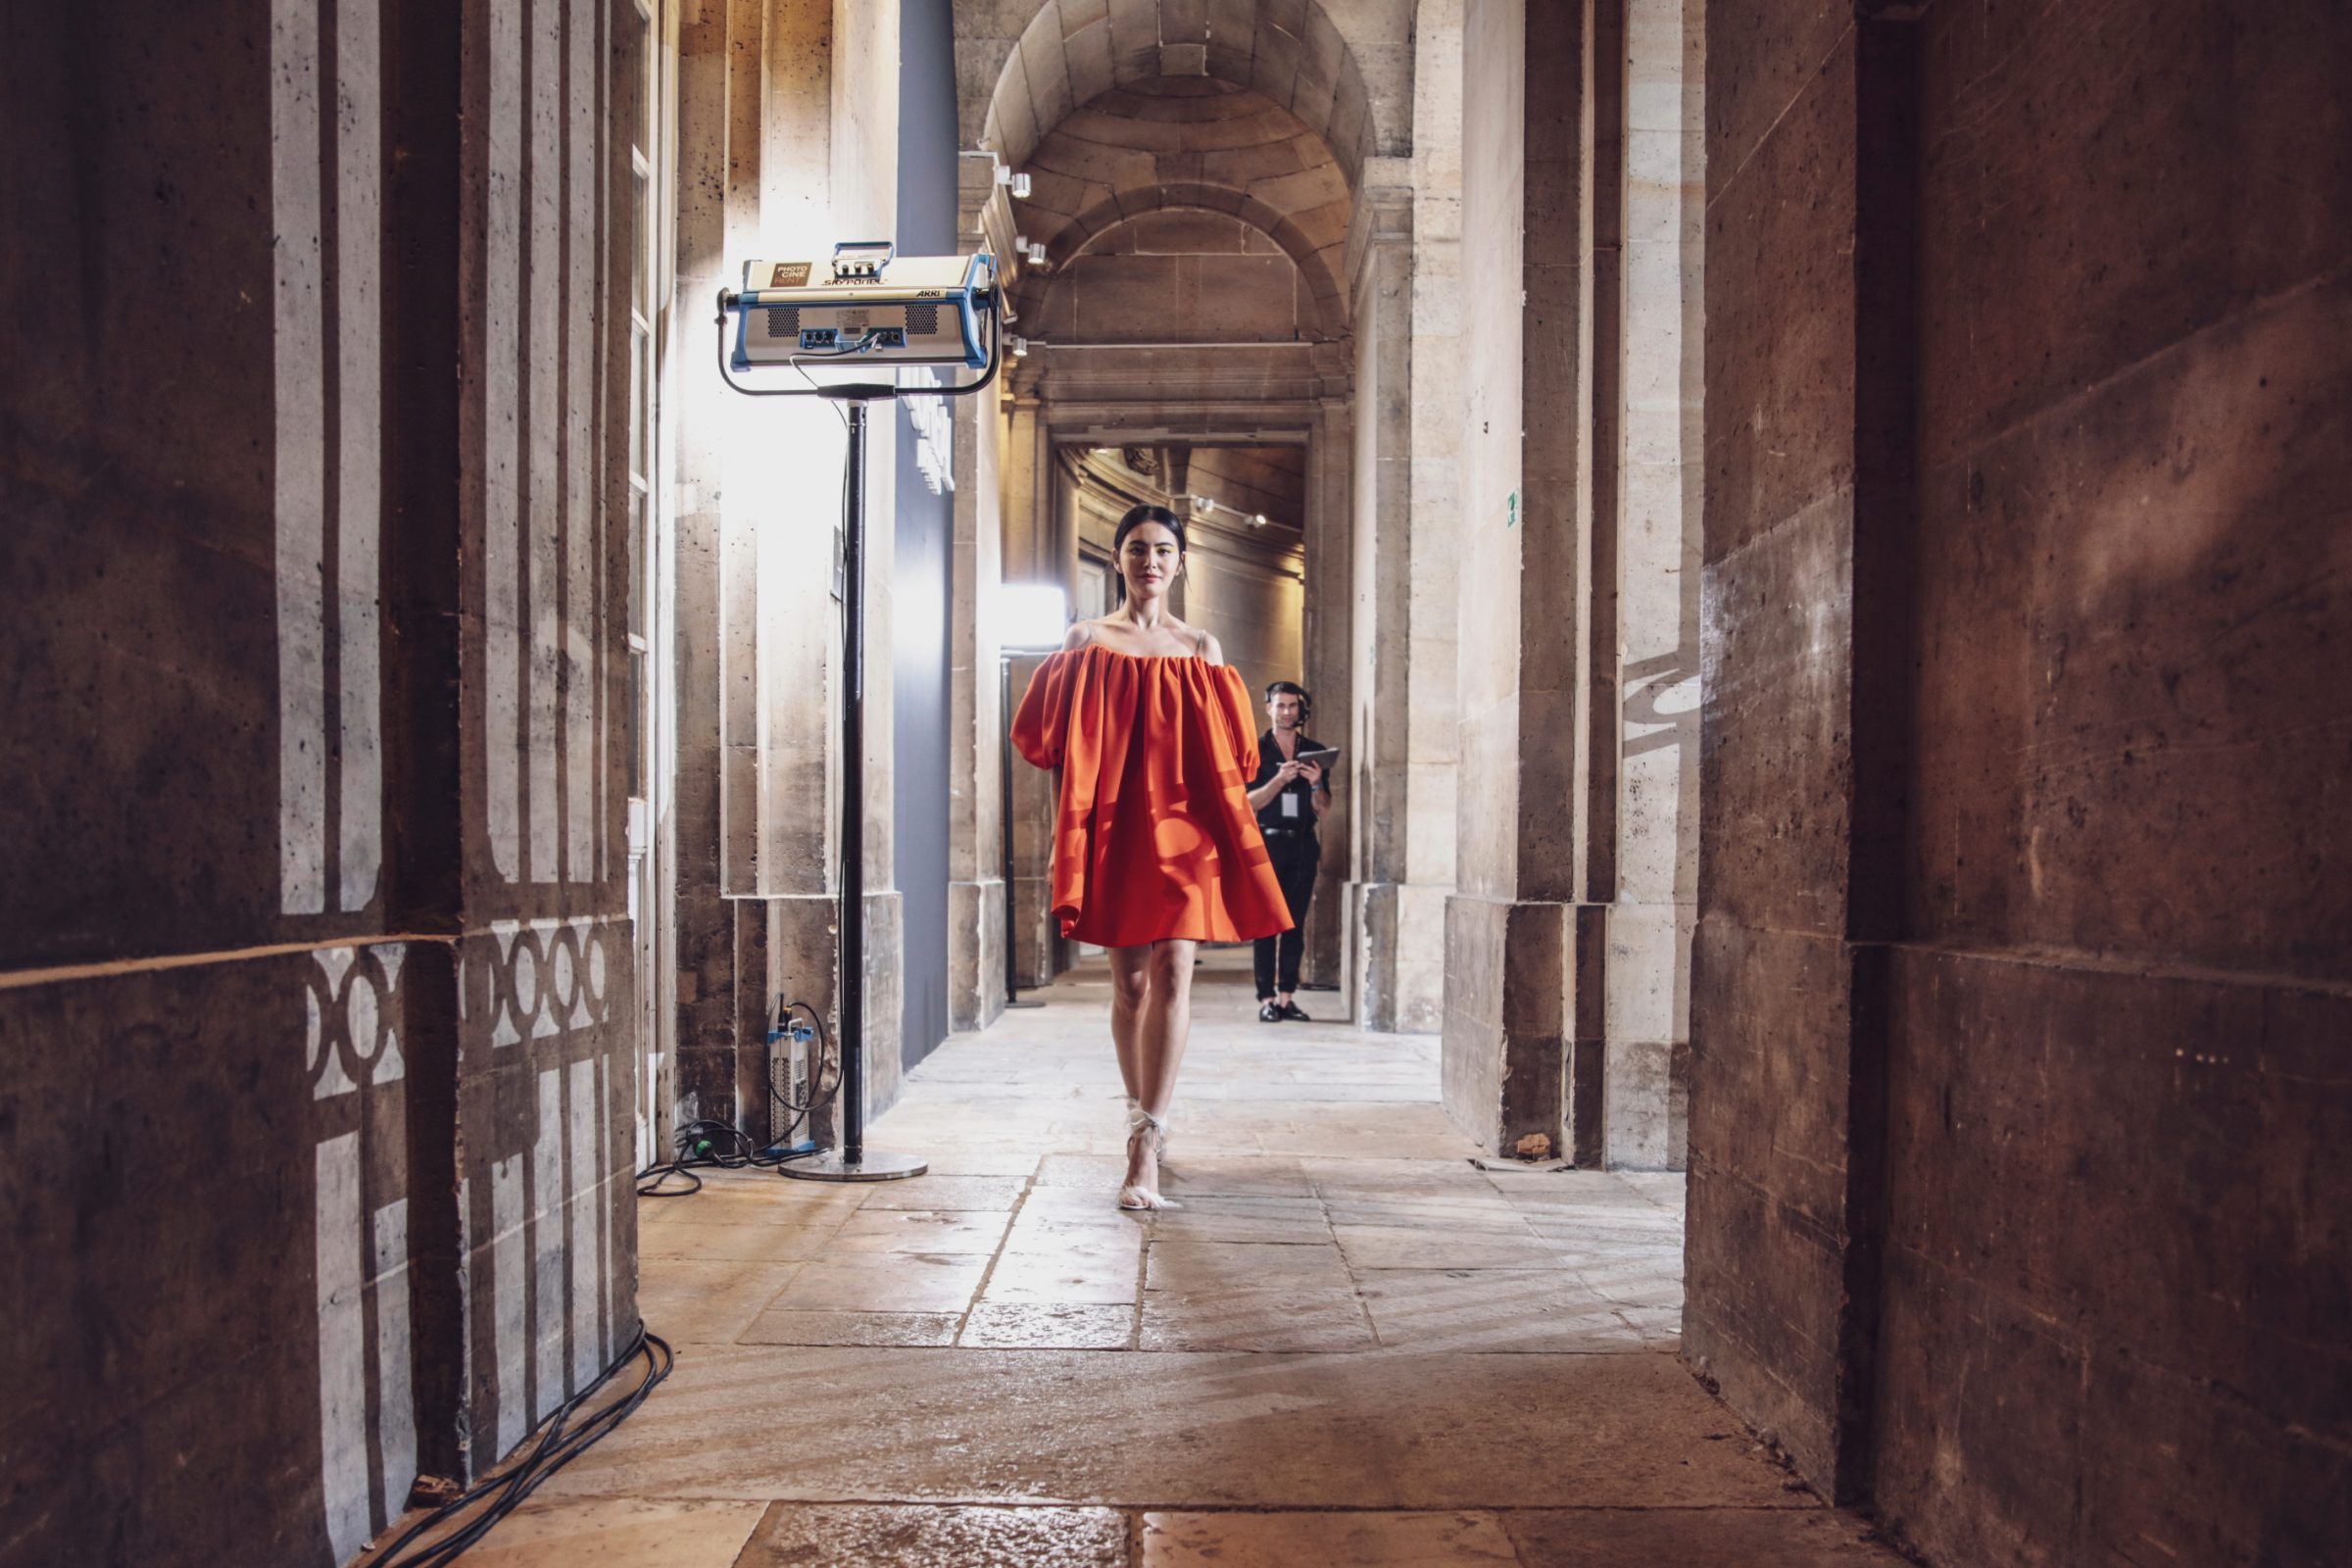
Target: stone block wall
(315, 975)
(2019, 1003)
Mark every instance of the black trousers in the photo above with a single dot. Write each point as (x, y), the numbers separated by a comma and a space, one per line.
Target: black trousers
(1295, 858)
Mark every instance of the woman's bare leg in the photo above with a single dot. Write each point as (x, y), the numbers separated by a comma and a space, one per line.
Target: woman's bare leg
(1163, 1026)
(1129, 987)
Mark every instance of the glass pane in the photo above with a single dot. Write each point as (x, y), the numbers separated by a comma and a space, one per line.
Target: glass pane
(636, 726)
(639, 589)
(638, 284)
(641, 343)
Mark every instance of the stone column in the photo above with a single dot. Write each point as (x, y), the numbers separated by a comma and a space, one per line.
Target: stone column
(314, 897)
(767, 159)
(1647, 1065)
(1378, 784)
(1433, 715)
(1329, 658)
(1809, 661)
(719, 207)
(976, 930)
(1525, 933)
(1032, 552)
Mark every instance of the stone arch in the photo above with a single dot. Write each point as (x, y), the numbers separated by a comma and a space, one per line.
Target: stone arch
(1288, 50)
(1317, 260)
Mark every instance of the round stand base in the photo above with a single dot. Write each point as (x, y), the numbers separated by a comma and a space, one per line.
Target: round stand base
(872, 1166)
(1024, 1004)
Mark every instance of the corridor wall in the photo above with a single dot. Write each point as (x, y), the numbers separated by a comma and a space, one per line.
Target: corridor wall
(2020, 1012)
(315, 986)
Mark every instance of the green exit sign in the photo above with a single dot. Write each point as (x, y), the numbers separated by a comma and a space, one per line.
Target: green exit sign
(1510, 510)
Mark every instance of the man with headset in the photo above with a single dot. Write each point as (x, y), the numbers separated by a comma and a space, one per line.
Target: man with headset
(1288, 796)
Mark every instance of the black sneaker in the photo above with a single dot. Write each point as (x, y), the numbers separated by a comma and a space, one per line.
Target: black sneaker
(1268, 1012)
(1292, 1011)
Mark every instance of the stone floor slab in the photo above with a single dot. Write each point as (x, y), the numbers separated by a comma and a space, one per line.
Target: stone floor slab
(755, 1241)
(1064, 1279)
(616, 1533)
(1206, 1266)
(1457, 1540)
(1385, 1247)
(923, 1230)
(885, 1282)
(1495, 1310)
(1768, 1538)
(790, 1327)
(995, 1193)
(855, 1535)
(1020, 1326)
(710, 1301)
(1328, 1318)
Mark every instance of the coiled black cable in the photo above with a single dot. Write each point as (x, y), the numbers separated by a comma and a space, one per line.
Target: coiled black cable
(558, 1443)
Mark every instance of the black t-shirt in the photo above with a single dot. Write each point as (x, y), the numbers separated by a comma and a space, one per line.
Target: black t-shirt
(1281, 813)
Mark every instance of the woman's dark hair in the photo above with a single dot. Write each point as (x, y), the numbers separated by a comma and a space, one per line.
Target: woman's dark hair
(1137, 517)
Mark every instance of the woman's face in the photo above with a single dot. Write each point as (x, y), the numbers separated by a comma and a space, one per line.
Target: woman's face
(1150, 558)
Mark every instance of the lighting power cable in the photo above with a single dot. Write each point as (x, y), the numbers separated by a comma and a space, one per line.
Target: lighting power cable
(709, 1144)
(558, 1443)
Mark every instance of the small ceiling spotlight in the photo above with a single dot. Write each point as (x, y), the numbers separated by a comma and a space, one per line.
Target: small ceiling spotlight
(1258, 520)
(1019, 347)
(1036, 253)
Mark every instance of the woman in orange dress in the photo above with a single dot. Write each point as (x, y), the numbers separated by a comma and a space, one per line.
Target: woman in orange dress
(1155, 845)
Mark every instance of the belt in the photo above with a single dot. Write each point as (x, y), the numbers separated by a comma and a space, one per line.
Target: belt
(1288, 832)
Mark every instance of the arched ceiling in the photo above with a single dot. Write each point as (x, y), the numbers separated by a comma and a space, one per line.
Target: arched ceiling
(1194, 167)
(1103, 178)
(1070, 52)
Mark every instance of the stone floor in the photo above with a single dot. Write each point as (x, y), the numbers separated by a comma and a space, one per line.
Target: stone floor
(1350, 1346)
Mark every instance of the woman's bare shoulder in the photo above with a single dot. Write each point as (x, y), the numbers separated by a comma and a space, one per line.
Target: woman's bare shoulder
(1081, 633)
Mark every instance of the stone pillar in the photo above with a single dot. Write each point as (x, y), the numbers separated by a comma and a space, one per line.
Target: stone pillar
(1329, 658)
(769, 159)
(1040, 545)
(1808, 665)
(1378, 783)
(1407, 592)
(315, 891)
(1647, 1064)
(976, 930)
(1433, 714)
(1525, 933)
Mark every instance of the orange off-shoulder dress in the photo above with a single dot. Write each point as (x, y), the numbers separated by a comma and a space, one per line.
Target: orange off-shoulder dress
(1153, 836)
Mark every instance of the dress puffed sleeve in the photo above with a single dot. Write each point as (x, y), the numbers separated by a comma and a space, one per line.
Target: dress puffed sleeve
(1042, 722)
(1235, 702)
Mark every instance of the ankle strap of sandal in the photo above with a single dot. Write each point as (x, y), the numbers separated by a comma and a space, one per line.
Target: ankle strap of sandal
(1138, 1118)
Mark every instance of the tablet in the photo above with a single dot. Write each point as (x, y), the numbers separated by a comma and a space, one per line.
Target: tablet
(1326, 757)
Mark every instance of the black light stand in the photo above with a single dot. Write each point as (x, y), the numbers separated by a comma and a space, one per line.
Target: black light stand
(853, 1161)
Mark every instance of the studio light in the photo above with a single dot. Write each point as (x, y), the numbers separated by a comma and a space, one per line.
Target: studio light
(1032, 617)
(876, 314)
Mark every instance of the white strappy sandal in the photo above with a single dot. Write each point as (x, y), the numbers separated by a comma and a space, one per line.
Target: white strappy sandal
(1140, 1123)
